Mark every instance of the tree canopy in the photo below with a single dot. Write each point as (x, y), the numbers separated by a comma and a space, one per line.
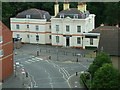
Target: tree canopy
(100, 59)
(106, 77)
(106, 12)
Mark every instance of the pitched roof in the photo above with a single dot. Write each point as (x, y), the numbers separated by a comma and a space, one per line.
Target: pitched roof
(109, 42)
(98, 29)
(34, 14)
(72, 12)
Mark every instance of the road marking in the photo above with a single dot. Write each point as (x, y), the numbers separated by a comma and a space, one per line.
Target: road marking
(76, 82)
(83, 65)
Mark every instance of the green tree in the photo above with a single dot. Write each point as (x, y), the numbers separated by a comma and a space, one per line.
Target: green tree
(111, 13)
(106, 77)
(100, 59)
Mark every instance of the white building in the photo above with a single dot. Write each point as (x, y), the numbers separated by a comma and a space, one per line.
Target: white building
(69, 27)
(32, 24)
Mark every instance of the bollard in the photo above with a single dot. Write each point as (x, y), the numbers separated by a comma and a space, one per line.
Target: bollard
(76, 73)
(50, 57)
(26, 74)
(37, 53)
(77, 60)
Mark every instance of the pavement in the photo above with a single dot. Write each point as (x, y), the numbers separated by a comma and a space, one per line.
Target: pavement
(18, 79)
(45, 72)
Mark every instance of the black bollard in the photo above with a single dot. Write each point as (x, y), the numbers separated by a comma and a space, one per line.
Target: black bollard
(76, 73)
(26, 74)
(77, 60)
(50, 57)
(37, 53)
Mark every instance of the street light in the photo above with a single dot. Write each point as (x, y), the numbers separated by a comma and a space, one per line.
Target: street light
(82, 72)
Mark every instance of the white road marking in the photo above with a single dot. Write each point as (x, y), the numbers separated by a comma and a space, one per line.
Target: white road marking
(75, 86)
(83, 65)
(76, 82)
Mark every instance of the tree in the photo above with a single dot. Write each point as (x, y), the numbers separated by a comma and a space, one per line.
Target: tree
(100, 59)
(106, 77)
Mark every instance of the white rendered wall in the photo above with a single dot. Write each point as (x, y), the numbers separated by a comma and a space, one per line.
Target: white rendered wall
(43, 30)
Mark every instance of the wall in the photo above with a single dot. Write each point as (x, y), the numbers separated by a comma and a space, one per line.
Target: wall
(43, 32)
(7, 59)
(86, 26)
(116, 62)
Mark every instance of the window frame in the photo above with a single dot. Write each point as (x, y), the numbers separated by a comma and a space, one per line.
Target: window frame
(1, 52)
(17, 26)
(57, 28)
(18, 35)
(79, 29)
(28, 26)
(57, 39)
(78, 40)
(91, 41)
(37, 27)
(1, 39)
(67, 28)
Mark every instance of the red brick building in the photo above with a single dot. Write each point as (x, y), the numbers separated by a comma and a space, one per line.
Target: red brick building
(6, 52)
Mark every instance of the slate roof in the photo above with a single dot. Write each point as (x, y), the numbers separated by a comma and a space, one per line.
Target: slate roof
(34, 13)
(98, 29)
(71, 12)
(109, 42)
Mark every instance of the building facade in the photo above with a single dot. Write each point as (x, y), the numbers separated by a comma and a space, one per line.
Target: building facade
(30, 25)
(68, 28)
(6, 52)
(71, 25)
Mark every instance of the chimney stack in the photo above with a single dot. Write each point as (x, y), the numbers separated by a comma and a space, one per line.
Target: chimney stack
(56, 8)
(66, 5)
(82, 6)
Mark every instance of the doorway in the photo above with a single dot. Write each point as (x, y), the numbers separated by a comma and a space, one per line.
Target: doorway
(67, 41)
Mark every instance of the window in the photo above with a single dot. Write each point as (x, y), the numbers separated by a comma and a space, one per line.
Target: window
(67, 28)
(37, 37)
(37, 27)
(57, 39)
(17, 27)
(1, 39)
(28, 16)
(18, 35)
(78, 40)
(91, 41)
(28, 36)
(57, 28)
(49, 26)
(1, 53)
(62, 16)
(27, 26)
(78, 28)
(49, 36)
(76, 16)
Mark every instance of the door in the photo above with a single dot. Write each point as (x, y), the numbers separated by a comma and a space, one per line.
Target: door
(67, 41)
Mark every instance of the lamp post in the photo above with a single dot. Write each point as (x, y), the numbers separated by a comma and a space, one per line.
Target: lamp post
(77, 57)
(82, 72)
(57, 40)
(37, 39)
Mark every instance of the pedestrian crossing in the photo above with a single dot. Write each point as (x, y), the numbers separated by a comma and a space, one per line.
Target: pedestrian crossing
(32, 60)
